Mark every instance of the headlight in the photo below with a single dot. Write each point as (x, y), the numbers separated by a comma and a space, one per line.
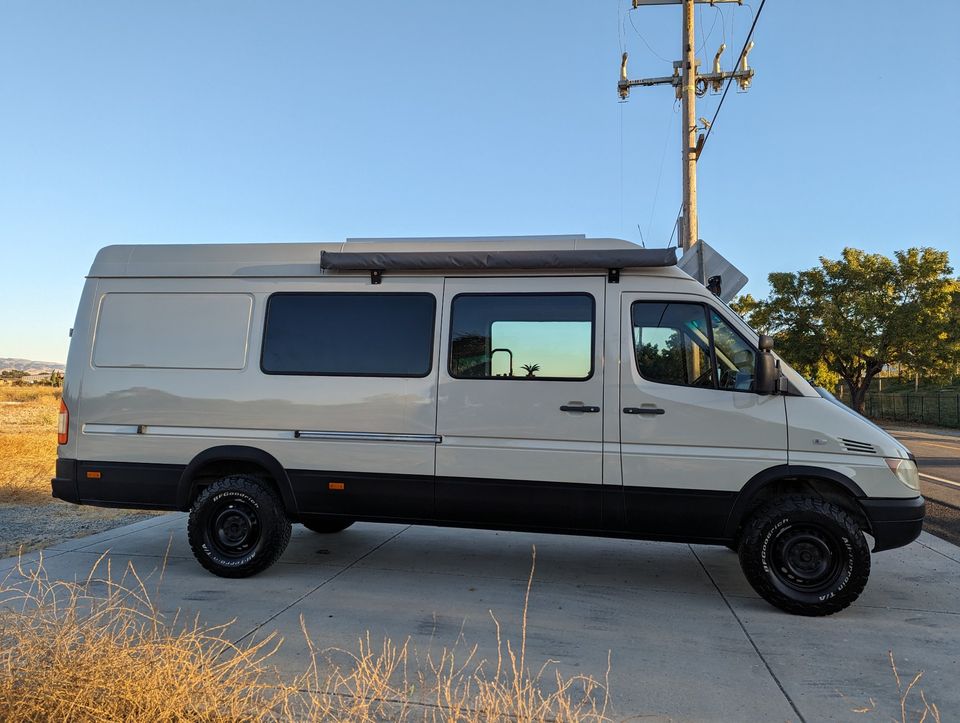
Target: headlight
(906, 471)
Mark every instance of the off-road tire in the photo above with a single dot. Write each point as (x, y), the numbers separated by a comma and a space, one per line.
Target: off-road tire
(326, 525)
(805, 555)
(238, 527)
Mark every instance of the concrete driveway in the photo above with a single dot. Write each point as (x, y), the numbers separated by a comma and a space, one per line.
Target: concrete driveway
(687, 637)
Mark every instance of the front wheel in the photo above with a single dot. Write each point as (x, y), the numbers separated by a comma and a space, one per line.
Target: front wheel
(238, 527)
(805, 555)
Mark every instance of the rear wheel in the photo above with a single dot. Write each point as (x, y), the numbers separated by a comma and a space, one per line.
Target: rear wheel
(805, 555)
(326, 525)
(238, 527)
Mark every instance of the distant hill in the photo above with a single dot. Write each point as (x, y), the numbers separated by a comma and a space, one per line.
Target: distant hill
(29, 366)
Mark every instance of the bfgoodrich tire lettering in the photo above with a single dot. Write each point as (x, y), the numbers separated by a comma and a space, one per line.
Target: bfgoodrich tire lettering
(805, 555)
(238, 527)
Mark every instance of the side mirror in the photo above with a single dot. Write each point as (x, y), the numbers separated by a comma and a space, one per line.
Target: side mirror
(767, 375)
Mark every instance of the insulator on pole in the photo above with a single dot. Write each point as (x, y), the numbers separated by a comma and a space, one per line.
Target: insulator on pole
(744, 80)
(717, 84)
(623, 88)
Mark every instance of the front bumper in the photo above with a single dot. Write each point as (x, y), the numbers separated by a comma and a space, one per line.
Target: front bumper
(894, 522)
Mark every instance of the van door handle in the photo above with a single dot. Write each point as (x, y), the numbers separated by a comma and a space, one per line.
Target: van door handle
(578, 408)
(643, 410)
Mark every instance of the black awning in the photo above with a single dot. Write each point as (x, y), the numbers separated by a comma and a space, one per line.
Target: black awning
(475, 260)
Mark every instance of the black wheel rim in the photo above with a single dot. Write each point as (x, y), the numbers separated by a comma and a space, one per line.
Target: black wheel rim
(806, 558)
(234, 528)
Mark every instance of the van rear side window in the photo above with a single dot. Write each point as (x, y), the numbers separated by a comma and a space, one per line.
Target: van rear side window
(172, 331)
(522, 336)
(346, 334)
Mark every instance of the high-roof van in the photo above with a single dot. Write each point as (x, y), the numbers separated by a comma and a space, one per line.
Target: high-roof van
(557, 384)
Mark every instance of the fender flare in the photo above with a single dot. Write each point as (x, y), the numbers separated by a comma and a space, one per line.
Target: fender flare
(237, 453)
(775, 474)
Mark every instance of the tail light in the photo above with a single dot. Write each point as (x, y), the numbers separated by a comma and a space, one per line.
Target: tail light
(63, 423)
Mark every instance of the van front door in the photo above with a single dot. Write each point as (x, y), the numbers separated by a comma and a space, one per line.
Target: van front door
(520, 395)
(692, 429)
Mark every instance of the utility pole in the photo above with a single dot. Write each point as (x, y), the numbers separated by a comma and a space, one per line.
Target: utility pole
(689, 231)
(688, 85)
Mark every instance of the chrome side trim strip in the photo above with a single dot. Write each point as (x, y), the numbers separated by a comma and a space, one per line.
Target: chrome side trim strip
(154, 430)
(370, 437)
(109, 429)
(219, 432)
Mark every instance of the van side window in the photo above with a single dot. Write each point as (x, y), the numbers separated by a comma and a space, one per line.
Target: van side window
(736, 359)
(672, 343)
(675, 345)
(349, 334)
(522, 336)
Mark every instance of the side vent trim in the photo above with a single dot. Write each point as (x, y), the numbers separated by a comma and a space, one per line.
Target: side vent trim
(852, 445)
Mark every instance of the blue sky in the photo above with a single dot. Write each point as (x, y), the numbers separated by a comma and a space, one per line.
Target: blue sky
(234, 121)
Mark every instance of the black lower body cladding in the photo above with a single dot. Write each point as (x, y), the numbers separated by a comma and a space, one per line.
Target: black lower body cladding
(118, 484)
(658, 513)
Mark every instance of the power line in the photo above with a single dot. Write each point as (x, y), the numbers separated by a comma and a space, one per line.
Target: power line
(663, 157)
(707, 36)
(639, 35)
(726, 88)
(713, 120)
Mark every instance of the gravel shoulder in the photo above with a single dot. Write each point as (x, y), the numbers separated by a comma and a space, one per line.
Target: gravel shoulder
(28, 527)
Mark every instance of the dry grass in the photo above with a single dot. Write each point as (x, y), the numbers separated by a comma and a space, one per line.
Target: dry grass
(28, 442)
(100, 650)
(920, 709)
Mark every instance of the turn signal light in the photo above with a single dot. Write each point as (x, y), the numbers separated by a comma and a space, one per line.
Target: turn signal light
(63, 423)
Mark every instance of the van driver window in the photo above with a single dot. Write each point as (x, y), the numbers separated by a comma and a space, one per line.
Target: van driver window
(522, 336)
(672, 343)
(672, 346)
(736, 359)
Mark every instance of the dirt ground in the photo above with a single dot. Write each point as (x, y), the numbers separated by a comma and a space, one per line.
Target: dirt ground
(30, 518)
(26, 527)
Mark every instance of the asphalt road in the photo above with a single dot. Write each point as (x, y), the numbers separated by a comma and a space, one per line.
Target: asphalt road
(938, 456)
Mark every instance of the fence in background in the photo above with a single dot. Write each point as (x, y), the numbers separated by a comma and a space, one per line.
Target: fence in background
(942, 410)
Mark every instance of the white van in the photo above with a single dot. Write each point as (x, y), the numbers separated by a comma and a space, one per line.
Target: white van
(558, 384)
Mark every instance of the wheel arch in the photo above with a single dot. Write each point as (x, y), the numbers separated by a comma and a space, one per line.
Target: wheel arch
(795, 478)
(226, 459)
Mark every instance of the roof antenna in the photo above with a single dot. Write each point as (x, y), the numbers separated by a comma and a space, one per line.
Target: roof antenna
(642, 243)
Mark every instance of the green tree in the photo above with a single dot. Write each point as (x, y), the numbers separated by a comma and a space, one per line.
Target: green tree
(952, 356)
(744, 305)
(852, 316)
